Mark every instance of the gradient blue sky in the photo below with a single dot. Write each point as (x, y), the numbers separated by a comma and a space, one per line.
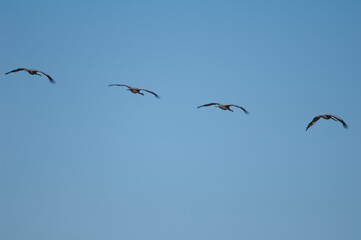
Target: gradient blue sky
(80, 160)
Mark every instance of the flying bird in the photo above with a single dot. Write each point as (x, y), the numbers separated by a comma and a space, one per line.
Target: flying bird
(134, 90)
(224, 106)
(327, 117)
(32, 72)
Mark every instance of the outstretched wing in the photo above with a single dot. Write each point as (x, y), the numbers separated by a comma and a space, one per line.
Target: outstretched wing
(48, 76)
(16, 70)
(151, 92)
(315, 119)
(208, 104)
(244, 110)
(119, 85)
(340, 120)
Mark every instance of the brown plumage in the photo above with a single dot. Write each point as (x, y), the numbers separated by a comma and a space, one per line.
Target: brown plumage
(224, 106)
(134, 90)
(326, 116)
(32, 72)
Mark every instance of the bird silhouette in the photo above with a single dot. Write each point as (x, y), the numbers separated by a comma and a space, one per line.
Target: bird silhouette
(135, 90)
(224, 106)
(327, 117)
(33, 72)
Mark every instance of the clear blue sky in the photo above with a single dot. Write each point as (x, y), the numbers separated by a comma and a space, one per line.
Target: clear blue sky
(80, 160)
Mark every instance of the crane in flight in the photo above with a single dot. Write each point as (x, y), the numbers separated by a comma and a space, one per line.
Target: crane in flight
(32, 72)
(327, 117)
(135, 90)
(224, 106)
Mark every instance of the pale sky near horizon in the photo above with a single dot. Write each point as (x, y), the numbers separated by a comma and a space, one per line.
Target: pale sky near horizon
(81, 160)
